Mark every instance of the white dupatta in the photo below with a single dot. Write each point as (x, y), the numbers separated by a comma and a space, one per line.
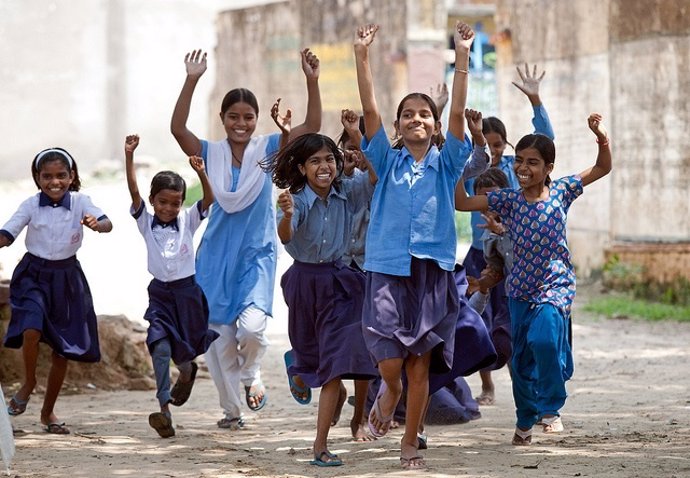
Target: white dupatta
(219, 168)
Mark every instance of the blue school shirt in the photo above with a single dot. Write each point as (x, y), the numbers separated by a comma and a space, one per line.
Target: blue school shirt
(542, 271)
(542, 125)
(322, 228)
(236, 259)
(412, 211)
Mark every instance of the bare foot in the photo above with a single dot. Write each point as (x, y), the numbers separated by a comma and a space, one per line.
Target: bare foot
(359, 432)
(410, 459)
(487, 397)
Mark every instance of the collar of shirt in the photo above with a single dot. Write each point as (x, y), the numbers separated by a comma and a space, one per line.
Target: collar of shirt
(311, 196)
(157, 222)
(44, 200)
(431, 158)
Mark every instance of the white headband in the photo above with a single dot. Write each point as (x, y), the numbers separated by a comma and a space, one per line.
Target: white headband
(61, 152)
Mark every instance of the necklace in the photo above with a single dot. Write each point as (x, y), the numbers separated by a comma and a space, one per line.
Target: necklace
(235, 158)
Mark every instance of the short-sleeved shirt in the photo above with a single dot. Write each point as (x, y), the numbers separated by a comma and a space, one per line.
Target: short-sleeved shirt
(542, 271)
(413, 208)
(54, 229)
(170, 247)
(322, 228)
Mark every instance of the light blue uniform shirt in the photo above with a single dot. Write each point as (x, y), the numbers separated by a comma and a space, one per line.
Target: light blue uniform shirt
(542, 125)
(321, 228)
(412, 211)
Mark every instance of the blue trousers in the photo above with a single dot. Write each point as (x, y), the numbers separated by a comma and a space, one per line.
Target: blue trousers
(542, 360)
(160, 356)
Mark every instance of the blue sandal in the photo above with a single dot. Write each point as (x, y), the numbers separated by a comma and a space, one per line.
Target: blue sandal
(302, 395)
(331, 459)
(17, 406)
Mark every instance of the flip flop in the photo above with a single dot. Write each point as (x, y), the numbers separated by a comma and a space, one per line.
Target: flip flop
(413, 463)
(376, 410)
(249, 394)
(235, 423)
(56, 428)
(162, 423)
(182, 390)
(302, 395)
(331, 459)
(17, 406)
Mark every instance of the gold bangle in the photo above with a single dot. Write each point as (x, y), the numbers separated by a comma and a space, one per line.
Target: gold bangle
(460, 70)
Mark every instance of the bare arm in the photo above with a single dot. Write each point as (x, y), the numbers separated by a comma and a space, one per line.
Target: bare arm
(131, 143)
(464, 35)
(312, 121)
(469, 203)
(197, 164)
(285, 203)
(603, 164)
(365, 82)
(195, 64)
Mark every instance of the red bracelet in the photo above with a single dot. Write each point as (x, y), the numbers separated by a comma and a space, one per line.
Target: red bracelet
(603, 143)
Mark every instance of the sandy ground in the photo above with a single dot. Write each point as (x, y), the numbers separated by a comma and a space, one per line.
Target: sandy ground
(628, 414)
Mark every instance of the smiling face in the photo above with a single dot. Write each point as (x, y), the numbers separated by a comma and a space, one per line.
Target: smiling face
(530, 168)
(416, 122)
(167, 204)
(54, 178)
(239, 121)
(320, 170)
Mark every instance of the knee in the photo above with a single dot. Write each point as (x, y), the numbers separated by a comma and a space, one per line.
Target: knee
(251, 336)
(31, 336)
(161, 350)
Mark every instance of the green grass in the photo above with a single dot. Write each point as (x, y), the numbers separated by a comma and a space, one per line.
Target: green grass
(193, 194)
(625, 306)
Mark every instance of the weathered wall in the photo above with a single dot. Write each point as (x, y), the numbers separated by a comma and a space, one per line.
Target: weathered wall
(257, 48)
(628, 60)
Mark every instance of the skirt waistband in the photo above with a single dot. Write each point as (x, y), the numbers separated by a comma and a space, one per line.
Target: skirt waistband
(176, 284)
(318, 266)
(51, 264)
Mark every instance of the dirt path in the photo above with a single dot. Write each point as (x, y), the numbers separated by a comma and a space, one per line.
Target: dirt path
(627, 416)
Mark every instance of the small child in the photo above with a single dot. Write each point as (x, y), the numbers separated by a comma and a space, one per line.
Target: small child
(177, 311)
(324, 296)
(50, 298)
(541, 286)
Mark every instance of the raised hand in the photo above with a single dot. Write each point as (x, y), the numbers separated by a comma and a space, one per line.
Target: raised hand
(463, 36)
(349, 119)
(286, 203)
(474, 121)
(195, 63)
(530, 81)
(595, 124)
(284, 123)
(493, 223)
(90, 221)
(131, 143)
(310, 64)
(197, 164)
(440, 96)
(365, 35)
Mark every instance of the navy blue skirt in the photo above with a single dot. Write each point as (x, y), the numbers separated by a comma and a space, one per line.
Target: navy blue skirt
(178, 310)
(474, 349)
(414, 314)
(54, 298)
(324, 322)
(496, 315)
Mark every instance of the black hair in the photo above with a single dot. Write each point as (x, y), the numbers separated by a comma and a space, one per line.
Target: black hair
(283, 166)
(437, 139)
(543, 144)
(168, 180)
(238, 95)
(492, 124)
(491, 178)
(56, 154)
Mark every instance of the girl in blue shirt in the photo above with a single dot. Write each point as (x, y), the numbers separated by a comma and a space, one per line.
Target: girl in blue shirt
(411, 303)
(323, 295)
(541, 286)
(50, 298)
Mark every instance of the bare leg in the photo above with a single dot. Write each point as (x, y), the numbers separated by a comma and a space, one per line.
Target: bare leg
(342, 397)
(417, 371)
(30, 356)
(390, 370)
(359, 432)
(487, 396)
(56, 377)
(328, 400)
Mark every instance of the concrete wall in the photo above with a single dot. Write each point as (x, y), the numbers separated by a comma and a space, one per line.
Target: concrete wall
(629, 61)
(82, 74)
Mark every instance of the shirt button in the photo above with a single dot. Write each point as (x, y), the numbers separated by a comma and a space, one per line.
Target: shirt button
(353, 240)
(324, 241)
(325, 218)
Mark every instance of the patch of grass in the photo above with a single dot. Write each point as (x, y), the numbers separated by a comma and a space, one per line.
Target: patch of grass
(621, 306)
(193, 194)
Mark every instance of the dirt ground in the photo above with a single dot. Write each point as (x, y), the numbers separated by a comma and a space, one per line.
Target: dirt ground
(628, 413)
